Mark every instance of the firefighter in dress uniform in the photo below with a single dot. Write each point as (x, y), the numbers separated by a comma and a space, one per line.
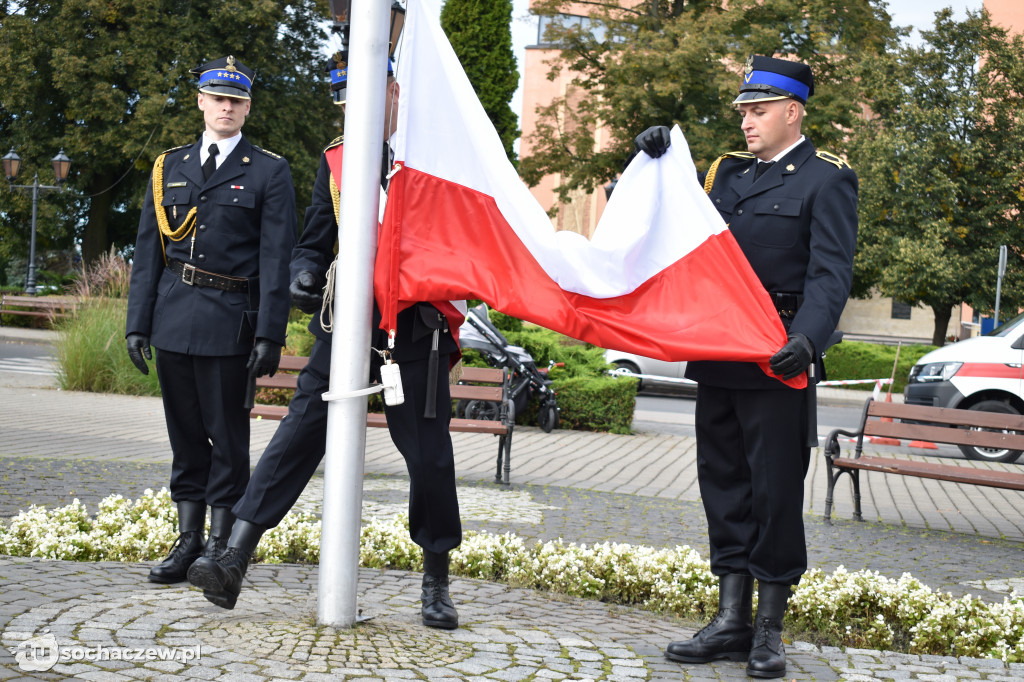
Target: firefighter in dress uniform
(793, 211)
(209, 291)
(419, 427)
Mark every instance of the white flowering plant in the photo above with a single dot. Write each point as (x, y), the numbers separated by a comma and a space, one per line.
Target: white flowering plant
(849, 608)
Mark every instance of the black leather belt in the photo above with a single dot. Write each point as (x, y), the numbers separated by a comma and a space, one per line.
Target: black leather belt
(786, 303)
(193, 276)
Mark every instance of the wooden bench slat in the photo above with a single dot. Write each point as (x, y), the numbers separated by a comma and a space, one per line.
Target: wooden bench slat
(950, 435)
(458, 391)
(293, 363)
(491, 375)
(278, 381)
(32, 306)
(490, 393)
(946, 415)
(943, 472)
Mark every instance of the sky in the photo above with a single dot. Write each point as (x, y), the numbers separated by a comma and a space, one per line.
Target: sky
(916, 13)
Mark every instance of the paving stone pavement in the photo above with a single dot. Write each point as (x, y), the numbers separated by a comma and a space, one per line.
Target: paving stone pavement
(56, 446)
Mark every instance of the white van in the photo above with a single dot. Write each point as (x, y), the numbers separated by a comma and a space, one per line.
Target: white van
(981, 373)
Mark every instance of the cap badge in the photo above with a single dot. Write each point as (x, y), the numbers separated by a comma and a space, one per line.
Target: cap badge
(748, 69)
(231, 63)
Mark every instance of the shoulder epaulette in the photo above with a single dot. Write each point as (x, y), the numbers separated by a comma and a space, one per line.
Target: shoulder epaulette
(832, 158)
(174, 149)
(709, 179)
(268, 153)
(340, 139)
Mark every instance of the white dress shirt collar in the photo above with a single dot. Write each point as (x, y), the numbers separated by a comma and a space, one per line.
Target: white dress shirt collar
(786, 150)
(224, 148)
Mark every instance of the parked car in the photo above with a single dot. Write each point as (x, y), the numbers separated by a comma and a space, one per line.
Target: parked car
(981, 373)
(661, 375)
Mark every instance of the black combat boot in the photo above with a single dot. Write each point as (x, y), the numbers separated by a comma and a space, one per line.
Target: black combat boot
(221, 578)
(437, 611)
(768, 655)
(729, 634)
(221, 521)
(186, 549)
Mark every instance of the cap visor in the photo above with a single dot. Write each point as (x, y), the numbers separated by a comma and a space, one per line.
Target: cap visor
(225, 91)
(762, 97)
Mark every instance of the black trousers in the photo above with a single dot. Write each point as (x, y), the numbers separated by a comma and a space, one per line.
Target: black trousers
(298, 446)
(207, 425)
(751, 463)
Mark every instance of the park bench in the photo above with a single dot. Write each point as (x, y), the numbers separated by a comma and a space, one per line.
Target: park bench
(489, 385)
(932, 425)
(49, 307)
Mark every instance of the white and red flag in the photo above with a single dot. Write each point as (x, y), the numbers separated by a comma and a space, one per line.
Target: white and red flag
(662, 275)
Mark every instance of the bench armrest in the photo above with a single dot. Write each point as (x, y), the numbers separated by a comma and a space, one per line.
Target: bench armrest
(832, 449)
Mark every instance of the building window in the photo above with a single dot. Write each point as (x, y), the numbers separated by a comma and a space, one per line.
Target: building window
(900, 311)
(568, 21)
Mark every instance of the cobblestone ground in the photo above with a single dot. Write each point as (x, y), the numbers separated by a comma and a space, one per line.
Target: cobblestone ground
(505, 634)
(72, 609)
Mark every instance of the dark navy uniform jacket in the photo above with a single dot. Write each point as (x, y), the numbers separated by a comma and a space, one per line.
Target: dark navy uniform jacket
(797, 225)
(316, 250)
(245, 227)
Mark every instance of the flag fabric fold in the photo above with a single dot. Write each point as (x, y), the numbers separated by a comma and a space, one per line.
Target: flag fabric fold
(662, 275)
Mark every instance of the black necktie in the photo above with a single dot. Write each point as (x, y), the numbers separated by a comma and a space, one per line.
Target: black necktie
(211, 162)
(762, 166)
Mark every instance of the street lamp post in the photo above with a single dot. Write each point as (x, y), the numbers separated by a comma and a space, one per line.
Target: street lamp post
(12, 166)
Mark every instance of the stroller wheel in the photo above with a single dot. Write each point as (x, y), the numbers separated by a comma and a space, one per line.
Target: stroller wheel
(547, 417)
(482, 409)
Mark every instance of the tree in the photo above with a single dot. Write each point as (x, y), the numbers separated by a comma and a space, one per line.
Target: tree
(659, 62)
(941, 186)
(481, 35)
(108, 81)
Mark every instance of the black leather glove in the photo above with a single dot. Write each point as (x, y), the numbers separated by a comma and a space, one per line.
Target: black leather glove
(654, 141)
(264, 358)
(794, 358)
(138, 346)
(306, 294)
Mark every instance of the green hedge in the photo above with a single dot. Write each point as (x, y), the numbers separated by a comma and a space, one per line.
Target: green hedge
(860, 360)
(596, 403)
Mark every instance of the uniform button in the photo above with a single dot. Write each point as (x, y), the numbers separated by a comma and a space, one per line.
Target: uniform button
(201, 258)
(718, 201)
(202, 228)
(202, 198)
(739, 211)
(776, 207)
(235, 200)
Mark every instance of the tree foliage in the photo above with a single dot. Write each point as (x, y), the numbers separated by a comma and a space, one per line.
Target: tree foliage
(941, 186)
(481, 35)
(659, 62)
(108, 81)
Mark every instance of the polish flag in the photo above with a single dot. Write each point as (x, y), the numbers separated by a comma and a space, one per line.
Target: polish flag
(662, 275)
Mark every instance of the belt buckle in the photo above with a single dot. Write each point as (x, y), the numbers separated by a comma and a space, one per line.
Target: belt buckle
(188, 274)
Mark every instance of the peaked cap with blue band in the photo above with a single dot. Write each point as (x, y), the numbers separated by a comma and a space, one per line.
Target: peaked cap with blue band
(767, 78)
(227, 77)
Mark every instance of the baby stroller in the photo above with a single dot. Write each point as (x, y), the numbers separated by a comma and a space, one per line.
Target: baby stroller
(478, 333)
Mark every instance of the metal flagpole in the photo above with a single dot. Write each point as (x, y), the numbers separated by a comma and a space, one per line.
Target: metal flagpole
(353, 310)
